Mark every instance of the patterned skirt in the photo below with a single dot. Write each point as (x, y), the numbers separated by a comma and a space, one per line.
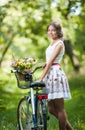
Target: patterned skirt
(56, 83)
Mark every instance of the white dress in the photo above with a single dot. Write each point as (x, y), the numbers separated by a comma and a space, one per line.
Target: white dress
(56, 80)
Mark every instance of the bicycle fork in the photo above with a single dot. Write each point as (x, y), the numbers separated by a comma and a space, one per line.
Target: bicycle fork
(33, 108)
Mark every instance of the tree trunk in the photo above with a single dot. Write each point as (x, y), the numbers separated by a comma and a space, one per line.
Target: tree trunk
(5, 51)
(72, 56)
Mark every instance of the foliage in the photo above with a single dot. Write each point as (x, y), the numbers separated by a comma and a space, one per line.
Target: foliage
(23, 34)
(23, 27)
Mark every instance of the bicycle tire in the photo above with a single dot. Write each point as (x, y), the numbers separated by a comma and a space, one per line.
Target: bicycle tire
(24, 114)
(41, 116)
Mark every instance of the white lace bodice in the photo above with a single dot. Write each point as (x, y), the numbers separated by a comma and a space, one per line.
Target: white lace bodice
(50, 50)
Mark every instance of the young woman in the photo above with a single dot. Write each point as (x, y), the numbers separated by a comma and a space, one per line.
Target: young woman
(54, 77)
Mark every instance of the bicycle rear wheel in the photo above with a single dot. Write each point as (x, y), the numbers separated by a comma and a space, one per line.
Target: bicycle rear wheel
(41, 116)
(24, 114)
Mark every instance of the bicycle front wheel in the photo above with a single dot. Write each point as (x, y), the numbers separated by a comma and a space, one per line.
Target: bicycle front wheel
(24, 114)
(41, 116)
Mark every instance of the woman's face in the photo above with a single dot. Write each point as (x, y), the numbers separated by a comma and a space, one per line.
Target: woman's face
(52, 33)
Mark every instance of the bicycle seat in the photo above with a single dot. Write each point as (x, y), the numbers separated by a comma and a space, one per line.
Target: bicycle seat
(37, 84)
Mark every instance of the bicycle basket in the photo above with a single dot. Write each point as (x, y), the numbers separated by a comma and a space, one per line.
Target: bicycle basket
(23, 80)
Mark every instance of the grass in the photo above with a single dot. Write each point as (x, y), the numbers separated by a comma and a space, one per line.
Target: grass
(10, 96)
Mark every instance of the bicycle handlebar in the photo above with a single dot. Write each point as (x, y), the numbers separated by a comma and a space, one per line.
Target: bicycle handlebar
(16, 71)
(39, 67)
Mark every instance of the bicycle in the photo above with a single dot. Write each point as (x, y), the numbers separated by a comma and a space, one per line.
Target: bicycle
(32, 109)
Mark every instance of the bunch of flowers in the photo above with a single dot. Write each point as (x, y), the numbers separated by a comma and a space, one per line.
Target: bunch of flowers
(24, 65)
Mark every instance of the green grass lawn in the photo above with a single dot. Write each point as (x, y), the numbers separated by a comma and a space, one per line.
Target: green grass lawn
(10, 96)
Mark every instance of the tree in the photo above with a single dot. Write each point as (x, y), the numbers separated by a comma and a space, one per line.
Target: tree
(24, 26)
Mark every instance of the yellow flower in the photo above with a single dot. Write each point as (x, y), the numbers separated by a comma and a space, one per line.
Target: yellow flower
(23, 64)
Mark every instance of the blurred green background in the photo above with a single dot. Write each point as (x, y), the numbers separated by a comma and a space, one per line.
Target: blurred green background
(23, 34)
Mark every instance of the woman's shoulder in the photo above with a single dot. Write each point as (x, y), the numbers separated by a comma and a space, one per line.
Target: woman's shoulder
(59, 42)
